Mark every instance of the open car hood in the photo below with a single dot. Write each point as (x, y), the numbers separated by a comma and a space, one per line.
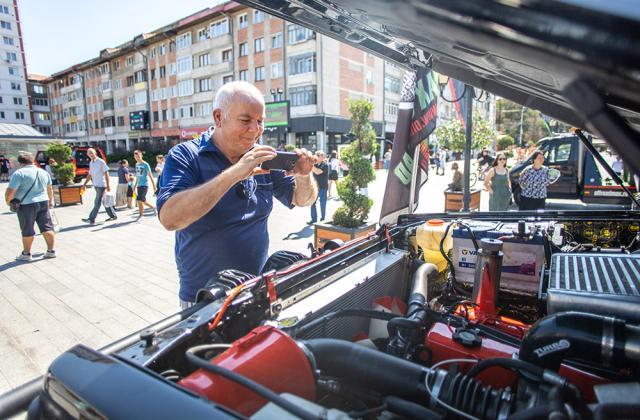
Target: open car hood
(576, 61)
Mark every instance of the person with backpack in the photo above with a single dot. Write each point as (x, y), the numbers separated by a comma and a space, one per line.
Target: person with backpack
(30, 195)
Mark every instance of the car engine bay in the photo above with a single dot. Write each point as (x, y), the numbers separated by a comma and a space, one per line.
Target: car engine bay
(528, 317)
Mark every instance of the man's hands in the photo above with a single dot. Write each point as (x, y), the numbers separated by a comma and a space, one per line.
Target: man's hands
(249, 162)
(305, 162)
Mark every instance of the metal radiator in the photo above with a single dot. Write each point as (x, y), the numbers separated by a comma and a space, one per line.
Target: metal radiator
(605, 284)
(377, 275)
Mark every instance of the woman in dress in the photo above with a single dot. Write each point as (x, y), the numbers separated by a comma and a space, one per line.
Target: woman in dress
(334, 164)
(534, 180)
(498, 184)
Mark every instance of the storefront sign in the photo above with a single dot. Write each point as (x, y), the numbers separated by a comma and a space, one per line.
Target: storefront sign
(277, 114)
(189, 133)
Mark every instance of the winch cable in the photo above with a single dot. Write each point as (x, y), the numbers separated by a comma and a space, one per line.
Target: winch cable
(250, 384)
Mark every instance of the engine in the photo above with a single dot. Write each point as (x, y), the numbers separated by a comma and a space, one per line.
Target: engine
(513, 319)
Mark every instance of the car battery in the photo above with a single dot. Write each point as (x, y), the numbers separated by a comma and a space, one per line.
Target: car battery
(523, 257)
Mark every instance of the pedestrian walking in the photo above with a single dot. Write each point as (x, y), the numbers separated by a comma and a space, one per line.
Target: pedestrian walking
(123, 185)
(5, 165)
(159, 167)
(618, 166)
(334, 165)
(386, 164)
(143, 178)
(442, 161)
(498, 184)
(321, 174)
(534, 180)
(30, 195)
(130, 184)
(99, 175)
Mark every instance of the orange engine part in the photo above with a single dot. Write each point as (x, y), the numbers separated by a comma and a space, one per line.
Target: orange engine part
(266, 355)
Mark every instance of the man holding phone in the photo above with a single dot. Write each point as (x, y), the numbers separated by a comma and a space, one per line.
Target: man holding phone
(217, 198)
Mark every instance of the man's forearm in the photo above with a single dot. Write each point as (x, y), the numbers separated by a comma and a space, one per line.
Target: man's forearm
(50, 193)
(87, 179)
(186, 207)
(305, 192)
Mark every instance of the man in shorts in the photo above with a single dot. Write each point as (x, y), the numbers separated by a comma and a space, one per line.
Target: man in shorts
(144, 176)
(5, 165)
(32, 186)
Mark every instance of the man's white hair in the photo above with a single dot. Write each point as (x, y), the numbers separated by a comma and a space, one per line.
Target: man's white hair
(225, 95)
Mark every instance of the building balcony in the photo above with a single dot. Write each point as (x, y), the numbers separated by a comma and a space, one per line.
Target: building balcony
(71, 88)
(109, 130)
(302, 79)
(299, 111)
(221, 67)
(140, 86)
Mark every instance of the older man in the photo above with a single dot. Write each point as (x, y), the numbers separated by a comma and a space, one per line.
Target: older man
(32, 186)
(217, 199)
(99, 174)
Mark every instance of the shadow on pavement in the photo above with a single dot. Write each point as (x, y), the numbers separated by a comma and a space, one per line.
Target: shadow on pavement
(75, 227)
(117, 224)
(305, 232)
(11, 264)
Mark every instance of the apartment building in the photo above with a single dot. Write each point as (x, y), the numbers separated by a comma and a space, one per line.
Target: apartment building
(14, 102)
(39, 100)
(158, 88)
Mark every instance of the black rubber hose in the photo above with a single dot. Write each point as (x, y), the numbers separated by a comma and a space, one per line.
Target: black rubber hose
(253, 386)
(507, 363)
(410, 410)
(534, 413)
(363, 313)
(580, 335)
(362, 366)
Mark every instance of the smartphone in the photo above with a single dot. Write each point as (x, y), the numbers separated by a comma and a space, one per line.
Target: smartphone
(284, 161)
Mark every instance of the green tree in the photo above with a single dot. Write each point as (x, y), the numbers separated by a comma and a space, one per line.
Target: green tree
(452, 136)
(356, 206)
(505, 141)
(63, 170)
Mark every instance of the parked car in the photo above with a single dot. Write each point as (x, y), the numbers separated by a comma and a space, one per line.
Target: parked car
(528, 318)
(581, 177)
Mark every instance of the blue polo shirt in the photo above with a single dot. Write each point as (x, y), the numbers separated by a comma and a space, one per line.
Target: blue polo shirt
(234, 233)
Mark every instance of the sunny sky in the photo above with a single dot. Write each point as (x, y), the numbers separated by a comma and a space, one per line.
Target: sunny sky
(58, 34)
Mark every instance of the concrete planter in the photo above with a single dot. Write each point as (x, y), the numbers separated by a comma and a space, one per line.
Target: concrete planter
(326, 231)
(64, 195)
(453, 200)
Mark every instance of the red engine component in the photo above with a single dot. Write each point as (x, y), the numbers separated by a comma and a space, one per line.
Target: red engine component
(443, 347)
(266, 355)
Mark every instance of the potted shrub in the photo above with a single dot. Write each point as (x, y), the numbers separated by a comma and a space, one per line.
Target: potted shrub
(350, 219)
(64, 193)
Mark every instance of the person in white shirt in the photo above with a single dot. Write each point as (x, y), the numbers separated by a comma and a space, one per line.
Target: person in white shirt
(99, 174)
(334, 164)
(617, 166)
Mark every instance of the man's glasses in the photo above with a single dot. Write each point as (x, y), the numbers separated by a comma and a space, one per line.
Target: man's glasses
(246, 188)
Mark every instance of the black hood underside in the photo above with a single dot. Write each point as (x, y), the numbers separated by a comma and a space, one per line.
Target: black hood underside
(572, 60)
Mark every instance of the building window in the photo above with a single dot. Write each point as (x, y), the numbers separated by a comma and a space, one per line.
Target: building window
(117, 83)
(155, 115)
(1, 114)
(204, 85)
(259, 74)
(244, 49)
(163, 93)
(164, 115)
(173, 68)
(204, 109)
(391, 108)
(11, 56)
(41, 116)
(162, 71)
(163, 49)
(203, 60)
(303, 63)
(185, 87)
(131, 100)
(219, 28)
(298, 34)
(276, 70)
(392, 84)
(13, 71)
(4, 9)
(227, 79)
(7, 40)
(152, 52)
(243, 75)
(259, 45)
(185, 64)
(15, 86)
(106, 85)
(5, 25)
(226, 55)
(276, 40)
(20, 115)
(186, 111)
(258, 16)
(116, 65)
(120, 103)
(141, 97)
(300, 96)
(120, 120)
(17, 101)
(128, 61)
(243, 22)
(154, 95)
(174, 91)
(183, 41)
(203, 34)
(129, 81)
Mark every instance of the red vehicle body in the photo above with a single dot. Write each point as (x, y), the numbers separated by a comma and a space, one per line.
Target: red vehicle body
(79, 158)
